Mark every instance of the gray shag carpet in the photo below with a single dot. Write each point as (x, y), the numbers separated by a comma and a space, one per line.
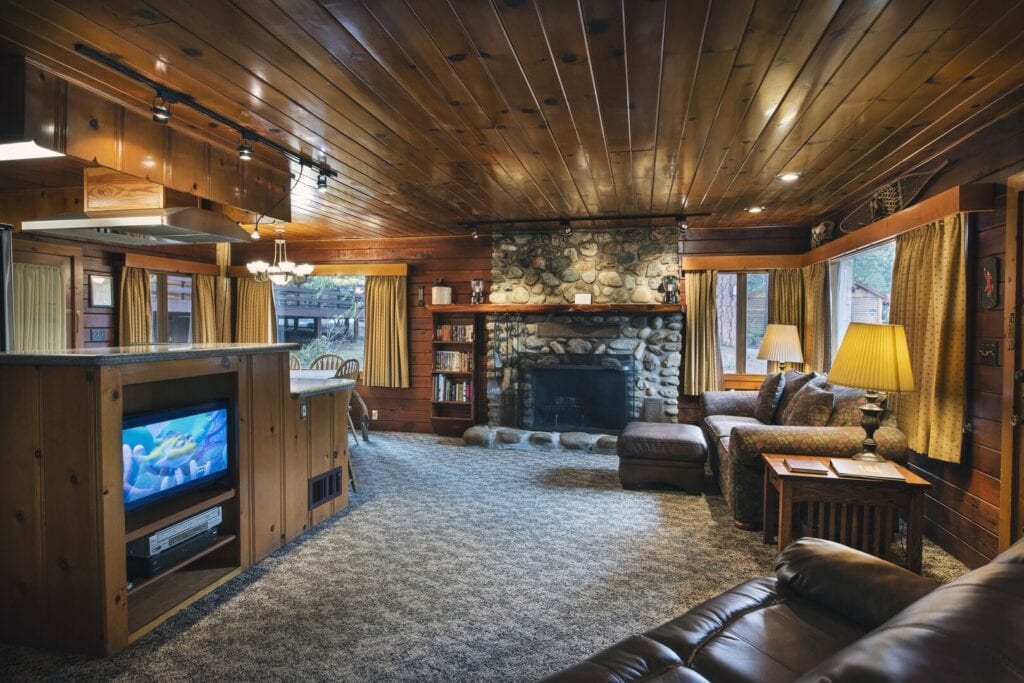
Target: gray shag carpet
(451, 564)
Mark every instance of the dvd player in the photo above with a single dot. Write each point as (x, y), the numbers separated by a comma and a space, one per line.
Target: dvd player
(168, 537)
(146, 567)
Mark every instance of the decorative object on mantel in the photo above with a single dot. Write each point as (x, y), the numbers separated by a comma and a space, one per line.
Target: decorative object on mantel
(890, 198)
(101, 291)
(875, 358)
(281, 271)
(670, 287)
(477, 297)
(988, 281)
(583, 298)
(821, 233)
(988, 352)
(440, 293)
(781, 343)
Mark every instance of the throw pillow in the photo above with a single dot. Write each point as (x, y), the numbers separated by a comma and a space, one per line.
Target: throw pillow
(768, 397)
(795, 381)
(811, 407)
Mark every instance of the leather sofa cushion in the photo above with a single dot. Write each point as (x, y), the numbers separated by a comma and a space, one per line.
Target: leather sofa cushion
(768, 397)
(662, 441)
(795, 381)
(811, 407)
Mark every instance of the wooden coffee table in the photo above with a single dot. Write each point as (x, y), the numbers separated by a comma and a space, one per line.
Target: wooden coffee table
(861, 513)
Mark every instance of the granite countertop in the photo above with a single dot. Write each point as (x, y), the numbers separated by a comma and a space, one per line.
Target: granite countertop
(305, 383)
(141, 353)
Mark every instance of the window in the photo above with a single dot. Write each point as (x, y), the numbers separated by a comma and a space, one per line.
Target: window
(325, 314)
(742, 303)
(861, 286)
(171, 300)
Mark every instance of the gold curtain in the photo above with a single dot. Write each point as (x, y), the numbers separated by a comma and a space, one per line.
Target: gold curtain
(40, 323)
(387, 342)
(204, 309)
(785, 301)
(929, 298)
(256, 319)
(817, 319)
(702, 366)
(135, 310)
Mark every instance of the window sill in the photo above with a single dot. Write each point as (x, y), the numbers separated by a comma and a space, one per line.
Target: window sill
(742, 382)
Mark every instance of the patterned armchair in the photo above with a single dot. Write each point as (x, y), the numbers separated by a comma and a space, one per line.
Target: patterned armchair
(736, 440)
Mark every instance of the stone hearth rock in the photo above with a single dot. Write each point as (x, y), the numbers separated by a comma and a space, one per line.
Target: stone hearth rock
(478, 435)
(576, 441)
(509, 436)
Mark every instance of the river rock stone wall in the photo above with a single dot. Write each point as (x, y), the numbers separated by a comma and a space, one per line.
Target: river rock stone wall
(614, 266)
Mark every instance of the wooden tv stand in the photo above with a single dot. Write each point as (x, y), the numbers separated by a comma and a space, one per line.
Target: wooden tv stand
(63, 579)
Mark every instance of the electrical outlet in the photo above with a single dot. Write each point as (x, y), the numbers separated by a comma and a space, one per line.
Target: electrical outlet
(373, 414)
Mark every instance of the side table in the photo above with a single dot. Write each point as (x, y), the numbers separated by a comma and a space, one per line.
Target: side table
(861, 513)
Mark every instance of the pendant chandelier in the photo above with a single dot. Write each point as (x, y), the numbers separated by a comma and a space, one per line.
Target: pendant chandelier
(281, 271)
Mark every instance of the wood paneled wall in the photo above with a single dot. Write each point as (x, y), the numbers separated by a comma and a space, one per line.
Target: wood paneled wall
(456, 259)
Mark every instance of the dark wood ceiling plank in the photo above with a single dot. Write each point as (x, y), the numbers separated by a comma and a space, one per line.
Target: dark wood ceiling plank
(683, 38)
(522, 27)
(770, 59)
(855, 23)
(489, 58)
(562, 31)
(727, 24)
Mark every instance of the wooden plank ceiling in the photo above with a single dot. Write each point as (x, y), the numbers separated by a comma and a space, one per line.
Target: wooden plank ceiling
(436, 112)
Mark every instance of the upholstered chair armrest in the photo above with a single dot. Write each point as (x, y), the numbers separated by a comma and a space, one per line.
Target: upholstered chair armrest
(748, 442)
(861, 587)
(741, 403)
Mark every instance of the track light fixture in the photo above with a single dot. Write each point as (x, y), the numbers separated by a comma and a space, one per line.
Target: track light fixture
(321, 182)
(566, 228)
(476, 233)
(161, 109)
(682, 224)
(245, 150)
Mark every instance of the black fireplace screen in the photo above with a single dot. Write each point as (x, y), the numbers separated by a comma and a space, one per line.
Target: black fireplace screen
(564, 397)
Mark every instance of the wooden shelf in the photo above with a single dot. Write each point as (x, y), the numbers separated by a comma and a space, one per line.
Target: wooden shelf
(142, 583)
(145, 521)
(179, 590)
(458, 343)
(452, 403)
(558, 308)
(464, 373)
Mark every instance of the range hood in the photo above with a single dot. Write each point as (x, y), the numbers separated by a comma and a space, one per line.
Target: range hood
(173, 225)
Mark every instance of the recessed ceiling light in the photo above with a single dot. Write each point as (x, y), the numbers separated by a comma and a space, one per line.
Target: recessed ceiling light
(755, 209)
(28, 149)
(790, 177)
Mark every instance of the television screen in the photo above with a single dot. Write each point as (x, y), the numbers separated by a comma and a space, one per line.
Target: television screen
(170, 451)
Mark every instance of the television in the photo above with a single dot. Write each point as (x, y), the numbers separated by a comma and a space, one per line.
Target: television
(171, 451)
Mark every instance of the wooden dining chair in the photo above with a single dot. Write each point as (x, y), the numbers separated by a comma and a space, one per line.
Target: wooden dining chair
(327, 361)
(293, 362)
(350, 370)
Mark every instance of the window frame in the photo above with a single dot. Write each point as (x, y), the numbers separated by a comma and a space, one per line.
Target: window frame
(161, 315)
(732, 378)
(834, 263)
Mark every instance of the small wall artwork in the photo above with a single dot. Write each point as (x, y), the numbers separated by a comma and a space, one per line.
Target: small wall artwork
(101, 291)
(988, 281)
(988, 352)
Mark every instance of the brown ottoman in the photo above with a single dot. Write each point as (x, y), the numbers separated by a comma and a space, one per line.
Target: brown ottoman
(659, 454)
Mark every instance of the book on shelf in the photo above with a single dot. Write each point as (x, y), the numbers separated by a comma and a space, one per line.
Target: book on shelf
(453, 390)
(448, 332)
(861, 469)
(799, 465)
(453, 361)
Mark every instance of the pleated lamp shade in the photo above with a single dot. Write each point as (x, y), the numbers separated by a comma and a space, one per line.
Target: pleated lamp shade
(873, 357)
(781, 343)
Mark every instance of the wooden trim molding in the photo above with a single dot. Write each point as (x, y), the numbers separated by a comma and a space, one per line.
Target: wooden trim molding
(340, 269)
(170, 265)
(557, 308)
(1010, 452)
(963, 198)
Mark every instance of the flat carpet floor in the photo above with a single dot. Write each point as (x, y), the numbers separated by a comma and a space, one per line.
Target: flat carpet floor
(451, 564)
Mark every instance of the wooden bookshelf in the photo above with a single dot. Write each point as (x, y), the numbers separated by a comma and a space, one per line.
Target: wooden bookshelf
(455, 371)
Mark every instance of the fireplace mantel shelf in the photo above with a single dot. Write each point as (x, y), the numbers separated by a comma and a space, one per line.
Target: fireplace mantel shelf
(558, 308)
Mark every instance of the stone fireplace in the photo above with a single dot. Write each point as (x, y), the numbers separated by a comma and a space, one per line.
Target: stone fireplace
(577, 371)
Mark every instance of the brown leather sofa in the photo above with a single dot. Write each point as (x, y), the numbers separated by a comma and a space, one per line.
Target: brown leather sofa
(834, 614)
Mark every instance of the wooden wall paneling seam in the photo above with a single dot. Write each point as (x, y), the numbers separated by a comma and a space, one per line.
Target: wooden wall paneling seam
(111, 516)
(1012, 405)
(243, 458)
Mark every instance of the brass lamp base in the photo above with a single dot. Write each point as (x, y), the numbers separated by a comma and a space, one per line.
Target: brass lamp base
(870, 421)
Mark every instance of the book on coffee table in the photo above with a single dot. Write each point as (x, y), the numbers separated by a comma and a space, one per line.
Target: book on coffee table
(805, 466)
(860, 469)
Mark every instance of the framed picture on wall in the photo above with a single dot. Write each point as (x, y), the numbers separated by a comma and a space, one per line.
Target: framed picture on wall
(101, 291)
(988, 281)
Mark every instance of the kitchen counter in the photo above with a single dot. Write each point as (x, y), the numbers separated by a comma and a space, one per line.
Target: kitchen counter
(306, 383)
(121, 355)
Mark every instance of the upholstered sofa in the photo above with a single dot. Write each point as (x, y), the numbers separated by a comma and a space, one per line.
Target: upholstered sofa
(736, 439)
(834, 614)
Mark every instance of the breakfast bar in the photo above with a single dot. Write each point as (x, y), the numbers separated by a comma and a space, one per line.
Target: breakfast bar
(275, 463)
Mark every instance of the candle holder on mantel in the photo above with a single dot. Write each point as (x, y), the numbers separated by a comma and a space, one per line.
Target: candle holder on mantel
(477, 297)
(670, 286)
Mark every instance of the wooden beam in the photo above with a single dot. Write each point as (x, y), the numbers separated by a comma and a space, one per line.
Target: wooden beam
(742, 262)
(557, 308)
(170, 265)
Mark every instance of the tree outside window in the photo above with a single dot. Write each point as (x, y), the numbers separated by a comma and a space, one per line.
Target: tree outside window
(741, 301)
(325, 314)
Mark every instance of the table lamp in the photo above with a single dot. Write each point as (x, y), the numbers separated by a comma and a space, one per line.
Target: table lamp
(874, 358)
(781, 343)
